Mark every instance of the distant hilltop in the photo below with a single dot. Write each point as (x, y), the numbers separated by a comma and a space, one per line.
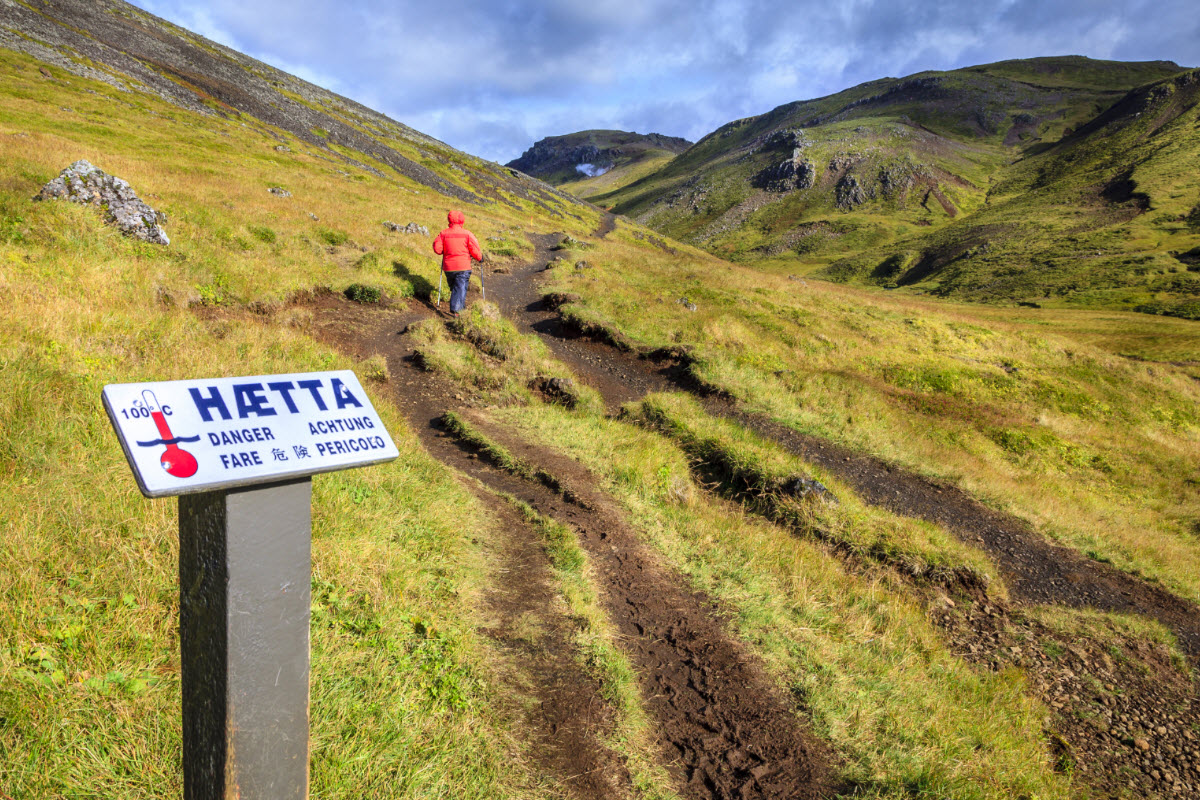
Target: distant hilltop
(589, 154)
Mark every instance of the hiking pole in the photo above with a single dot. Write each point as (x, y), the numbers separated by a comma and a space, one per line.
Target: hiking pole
(482, 290)
(441, 277)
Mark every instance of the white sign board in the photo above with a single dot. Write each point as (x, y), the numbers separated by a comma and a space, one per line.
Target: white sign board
(199, 435)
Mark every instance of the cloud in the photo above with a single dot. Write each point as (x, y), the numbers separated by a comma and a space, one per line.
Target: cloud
(492, 76)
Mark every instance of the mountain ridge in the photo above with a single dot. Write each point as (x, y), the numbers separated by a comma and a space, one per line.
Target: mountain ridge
(838, 180)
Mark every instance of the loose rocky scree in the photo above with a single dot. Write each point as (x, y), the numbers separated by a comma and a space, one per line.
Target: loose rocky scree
(1124, 717)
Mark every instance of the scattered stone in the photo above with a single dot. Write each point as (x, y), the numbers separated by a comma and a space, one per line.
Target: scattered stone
(571, 243)
(850, 193)
(279, 191)
(313, 217)
(582, 265)
(688, 304)
(45, 72)
(84, 183)
(411, 227)
(282, 148)
(806, 488)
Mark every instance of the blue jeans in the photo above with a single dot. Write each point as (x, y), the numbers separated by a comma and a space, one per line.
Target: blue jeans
(458, 288)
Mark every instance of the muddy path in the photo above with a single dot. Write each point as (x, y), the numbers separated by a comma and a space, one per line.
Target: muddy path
(1125, 719)
(565, 717)
(725, 730)
(1037, 571)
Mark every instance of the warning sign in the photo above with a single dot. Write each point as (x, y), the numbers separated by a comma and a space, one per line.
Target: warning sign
(199, 435)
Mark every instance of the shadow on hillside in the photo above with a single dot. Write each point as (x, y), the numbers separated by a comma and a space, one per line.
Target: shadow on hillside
(421, 286)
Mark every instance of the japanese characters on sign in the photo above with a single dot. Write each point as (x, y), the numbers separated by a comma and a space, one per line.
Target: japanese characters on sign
(198, 435)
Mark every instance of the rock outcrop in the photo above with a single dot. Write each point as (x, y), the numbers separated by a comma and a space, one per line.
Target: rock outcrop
(82, 182)
(795, 173)
(591, 153)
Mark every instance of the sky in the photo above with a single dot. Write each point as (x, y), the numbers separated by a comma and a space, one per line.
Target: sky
(491, 77)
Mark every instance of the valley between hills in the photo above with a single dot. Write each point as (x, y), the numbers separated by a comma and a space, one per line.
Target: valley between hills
(851, 451)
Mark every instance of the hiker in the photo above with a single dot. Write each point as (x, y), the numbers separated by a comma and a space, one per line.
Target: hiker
(457, 246)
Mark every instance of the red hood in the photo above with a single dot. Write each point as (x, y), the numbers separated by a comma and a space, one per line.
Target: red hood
(455, 217)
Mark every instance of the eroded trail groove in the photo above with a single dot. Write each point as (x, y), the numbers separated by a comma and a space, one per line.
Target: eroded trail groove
(565, 717)
(565, 714)
(726, 731)
(1037, 571)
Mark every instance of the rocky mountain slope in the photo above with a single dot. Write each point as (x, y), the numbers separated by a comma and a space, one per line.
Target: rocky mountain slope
(589, 163)
(138, 53)
(1108, 215)
(872, 178)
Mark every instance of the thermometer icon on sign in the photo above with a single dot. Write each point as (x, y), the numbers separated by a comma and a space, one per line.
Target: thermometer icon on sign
(175, 460)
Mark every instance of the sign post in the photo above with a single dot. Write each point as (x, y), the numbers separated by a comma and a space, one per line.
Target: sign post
(240, 453)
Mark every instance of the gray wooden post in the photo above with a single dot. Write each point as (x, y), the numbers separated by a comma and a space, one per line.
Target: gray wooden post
(244, 567)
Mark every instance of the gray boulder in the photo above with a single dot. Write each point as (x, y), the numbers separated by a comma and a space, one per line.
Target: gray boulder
(84, 183)
(805, 488)
(850, 193)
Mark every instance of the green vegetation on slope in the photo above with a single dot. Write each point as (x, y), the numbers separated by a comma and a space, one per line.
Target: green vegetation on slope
(1054, 180)
(402, 704)
(907, 717)
(855, 646)
(1098, 219)
(1095, 450)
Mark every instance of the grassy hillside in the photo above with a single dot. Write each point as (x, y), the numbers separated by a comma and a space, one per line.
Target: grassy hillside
(1005, 171)
(846, 607)
(1075, 439)
(89, 670)
(1102, 217)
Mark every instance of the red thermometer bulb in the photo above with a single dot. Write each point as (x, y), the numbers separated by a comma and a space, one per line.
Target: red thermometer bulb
(175, 460)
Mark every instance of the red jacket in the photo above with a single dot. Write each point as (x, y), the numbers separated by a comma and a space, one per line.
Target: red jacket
(457, 245)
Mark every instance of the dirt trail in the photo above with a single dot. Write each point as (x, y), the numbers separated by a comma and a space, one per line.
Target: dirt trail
(565, 717)
(726, 731)
(564, 712)
(619, 377)
(1124, 724)
(1037, 571)
(694, 681)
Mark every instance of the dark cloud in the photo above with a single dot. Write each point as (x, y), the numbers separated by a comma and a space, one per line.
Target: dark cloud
(492, 76)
